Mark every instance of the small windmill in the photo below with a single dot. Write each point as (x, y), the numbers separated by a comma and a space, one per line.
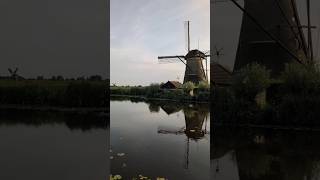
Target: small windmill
(13, 74)
(218, 53)
(194, 71)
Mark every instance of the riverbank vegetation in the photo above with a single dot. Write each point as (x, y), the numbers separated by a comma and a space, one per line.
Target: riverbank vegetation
(188, 92)
(292, 99)
(55, 92)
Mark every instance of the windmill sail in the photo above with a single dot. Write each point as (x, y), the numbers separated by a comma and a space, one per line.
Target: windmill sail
(187, 35)
(194, 71)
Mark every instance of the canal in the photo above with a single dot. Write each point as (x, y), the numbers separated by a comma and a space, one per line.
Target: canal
(159, 139)
(52, 145)
(240, 153)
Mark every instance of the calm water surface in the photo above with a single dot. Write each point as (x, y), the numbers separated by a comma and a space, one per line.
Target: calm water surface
(52, 146)
(264, 154)
(160, 139)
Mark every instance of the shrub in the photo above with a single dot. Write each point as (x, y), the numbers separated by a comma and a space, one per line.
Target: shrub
(300, 79)
(188, 86)
(250, 80)
(203, 86)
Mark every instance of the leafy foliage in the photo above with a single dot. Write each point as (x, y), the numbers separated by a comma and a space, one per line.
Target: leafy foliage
(188, 86)
(250, 81)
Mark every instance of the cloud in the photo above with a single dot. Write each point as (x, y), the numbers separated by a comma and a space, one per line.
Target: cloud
(141, 30)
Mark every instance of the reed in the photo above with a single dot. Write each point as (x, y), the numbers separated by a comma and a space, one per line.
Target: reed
(72, 93)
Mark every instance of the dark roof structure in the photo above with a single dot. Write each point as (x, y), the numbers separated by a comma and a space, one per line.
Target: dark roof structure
(195, 53)
(171, 85)
(220, 76)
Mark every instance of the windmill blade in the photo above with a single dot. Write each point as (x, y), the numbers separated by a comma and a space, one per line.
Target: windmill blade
(170, 59)
(221, 1)
(187, 35)
(167, 59)
(10, 70)
(15, 71)
(206, 52)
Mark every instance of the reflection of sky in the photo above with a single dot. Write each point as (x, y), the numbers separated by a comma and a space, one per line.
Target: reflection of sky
(134, 131)
(142, 30)
(227, 22)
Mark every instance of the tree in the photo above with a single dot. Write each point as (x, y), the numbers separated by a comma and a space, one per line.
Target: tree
(40, 78)
(203, 86)
(251, 80)
(95, 78)
(60, 78)
(188, 86)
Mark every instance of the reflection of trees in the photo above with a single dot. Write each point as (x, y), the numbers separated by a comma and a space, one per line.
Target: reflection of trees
(287, 155)
(83, 121)
(154, 108)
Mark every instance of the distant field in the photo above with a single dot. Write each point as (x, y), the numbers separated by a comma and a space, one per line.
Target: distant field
(67, 93)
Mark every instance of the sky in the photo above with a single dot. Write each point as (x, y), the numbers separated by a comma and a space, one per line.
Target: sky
(225, 30)
(142, 30)
(54, 37)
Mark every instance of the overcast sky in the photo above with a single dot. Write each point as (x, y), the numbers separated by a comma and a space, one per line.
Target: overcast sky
(227, 23)
(142, 30)
(51, 37)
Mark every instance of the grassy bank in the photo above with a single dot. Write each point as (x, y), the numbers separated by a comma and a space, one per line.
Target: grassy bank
(201, 93)
(291, 100)
(60, 93)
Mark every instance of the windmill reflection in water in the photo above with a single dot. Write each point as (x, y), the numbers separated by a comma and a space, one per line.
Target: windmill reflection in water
(196, 122)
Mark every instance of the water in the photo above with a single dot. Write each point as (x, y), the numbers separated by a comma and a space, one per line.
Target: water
(52, 146)
(160, 139)
(259, 154)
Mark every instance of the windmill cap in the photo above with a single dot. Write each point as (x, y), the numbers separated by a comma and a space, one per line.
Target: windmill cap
(195, 53)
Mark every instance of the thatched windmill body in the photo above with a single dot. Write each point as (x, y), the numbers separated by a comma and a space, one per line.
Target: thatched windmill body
(193, 60)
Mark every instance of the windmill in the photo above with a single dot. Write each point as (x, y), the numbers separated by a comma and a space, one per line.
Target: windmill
(272, 35)
(194, 72)
(13, 74)
(218, 53)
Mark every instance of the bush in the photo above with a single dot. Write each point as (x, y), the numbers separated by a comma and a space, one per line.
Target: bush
(203, 86)
(250, 80)
(188, 86)
(300, 79)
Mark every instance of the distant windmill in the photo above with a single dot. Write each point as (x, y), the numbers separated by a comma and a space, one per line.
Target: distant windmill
(194, 71)
(218, 53)
(13, 74)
